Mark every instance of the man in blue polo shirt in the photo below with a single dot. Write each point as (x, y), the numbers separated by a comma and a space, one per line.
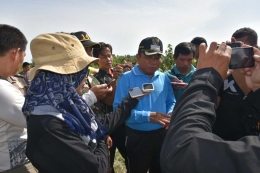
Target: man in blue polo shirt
(183, 69)
(146, 127)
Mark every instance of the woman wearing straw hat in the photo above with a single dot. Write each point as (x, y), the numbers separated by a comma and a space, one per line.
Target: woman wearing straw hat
(63, 132)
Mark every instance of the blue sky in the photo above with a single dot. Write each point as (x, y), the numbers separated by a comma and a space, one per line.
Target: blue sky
(124, 23)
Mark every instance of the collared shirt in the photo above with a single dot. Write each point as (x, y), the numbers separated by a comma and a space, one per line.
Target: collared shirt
(103, 77)
(160, 100)
(100, 107)
(186, 78)
(12, 127)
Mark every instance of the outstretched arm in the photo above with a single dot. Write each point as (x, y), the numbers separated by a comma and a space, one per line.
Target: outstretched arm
(116, 118)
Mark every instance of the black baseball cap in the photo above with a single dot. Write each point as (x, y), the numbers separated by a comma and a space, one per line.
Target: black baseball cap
(151, 46)
(85, 39)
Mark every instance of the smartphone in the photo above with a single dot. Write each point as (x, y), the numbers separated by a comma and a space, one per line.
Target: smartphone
(174, 78)
(92, 81)
(242, 57)
(235, 44)
(147, 87)
(179, 83)
(111, 83)
(135, 92)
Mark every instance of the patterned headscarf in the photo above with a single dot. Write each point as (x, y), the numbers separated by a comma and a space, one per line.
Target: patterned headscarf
(58, 90)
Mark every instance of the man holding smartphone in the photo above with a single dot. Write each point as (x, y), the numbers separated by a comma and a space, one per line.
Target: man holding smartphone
(231, 114)
(108, 76)
(183, 69)
(146, 127)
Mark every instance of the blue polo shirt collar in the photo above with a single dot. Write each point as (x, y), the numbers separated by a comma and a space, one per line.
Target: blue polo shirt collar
(192, 70)
(136, 70)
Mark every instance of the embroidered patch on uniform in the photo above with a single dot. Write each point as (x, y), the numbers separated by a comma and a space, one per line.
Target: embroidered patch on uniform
(155, 47)
(155, 40)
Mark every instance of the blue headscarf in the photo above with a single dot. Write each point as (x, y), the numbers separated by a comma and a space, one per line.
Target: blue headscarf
(57, 90)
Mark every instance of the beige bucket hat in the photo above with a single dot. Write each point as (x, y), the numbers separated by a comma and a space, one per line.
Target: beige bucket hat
(59, 53)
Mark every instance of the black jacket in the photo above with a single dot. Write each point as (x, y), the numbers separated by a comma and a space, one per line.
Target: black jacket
(53, 147)
(190, 146)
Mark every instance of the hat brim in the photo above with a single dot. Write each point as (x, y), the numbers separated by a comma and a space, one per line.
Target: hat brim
(74, 65)
(89, 43)
(152, 52)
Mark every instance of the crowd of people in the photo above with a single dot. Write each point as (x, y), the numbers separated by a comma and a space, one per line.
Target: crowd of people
(62, 115)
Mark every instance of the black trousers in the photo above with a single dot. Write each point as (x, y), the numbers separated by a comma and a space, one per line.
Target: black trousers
(118, 138)
(143, 150)
(53, 147)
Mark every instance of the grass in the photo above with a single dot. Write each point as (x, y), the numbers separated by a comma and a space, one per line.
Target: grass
(119, 163)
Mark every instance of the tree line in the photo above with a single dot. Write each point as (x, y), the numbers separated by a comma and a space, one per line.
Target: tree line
(167, 60)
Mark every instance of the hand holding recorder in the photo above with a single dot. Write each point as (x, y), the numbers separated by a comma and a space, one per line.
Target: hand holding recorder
(136, 92)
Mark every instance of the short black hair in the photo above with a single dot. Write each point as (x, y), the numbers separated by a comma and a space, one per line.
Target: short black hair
(11, 37)
(250, 33)
(25, 64)
(198, 40)
(97, 51)
(184, 48)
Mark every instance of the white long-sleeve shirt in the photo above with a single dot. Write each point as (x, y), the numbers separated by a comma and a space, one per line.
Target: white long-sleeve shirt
(13, 134)
(90, 98)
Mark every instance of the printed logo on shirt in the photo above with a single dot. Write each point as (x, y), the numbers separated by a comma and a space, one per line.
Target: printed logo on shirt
(229, 85)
